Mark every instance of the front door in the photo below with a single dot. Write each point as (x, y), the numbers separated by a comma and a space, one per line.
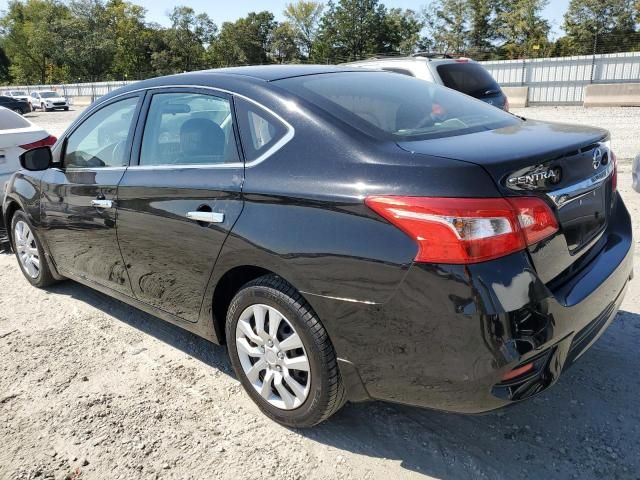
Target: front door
(78, 203)
(177, 206)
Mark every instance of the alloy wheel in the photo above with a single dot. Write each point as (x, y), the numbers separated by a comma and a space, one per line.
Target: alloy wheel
(273, 357)
(27, 249)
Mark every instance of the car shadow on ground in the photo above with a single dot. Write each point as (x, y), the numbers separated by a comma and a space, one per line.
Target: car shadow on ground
(586, 426)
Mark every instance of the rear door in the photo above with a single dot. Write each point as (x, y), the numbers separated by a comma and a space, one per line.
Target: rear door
(177, 205)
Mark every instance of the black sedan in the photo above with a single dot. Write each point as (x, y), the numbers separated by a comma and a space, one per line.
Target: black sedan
(344, 238)
(15, 104)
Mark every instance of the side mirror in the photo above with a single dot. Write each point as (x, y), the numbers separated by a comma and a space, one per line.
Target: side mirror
(37, 159)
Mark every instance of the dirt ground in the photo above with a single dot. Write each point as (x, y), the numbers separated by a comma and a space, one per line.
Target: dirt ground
(91, 388)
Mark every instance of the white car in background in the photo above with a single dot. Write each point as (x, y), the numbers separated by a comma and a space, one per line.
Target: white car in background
(47, 100)
(17, 135)
(17, 94)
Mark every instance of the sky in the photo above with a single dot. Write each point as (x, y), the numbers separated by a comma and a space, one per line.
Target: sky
(222, 11)
(230, 10)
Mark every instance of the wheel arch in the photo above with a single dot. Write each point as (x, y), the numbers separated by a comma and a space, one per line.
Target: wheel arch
(228, 285)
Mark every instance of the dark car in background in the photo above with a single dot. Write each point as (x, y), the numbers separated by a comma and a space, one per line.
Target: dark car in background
(459, 73)
(343, 239)
(17, 105)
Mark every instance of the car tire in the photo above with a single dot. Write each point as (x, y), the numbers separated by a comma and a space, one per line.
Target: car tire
(292, 397)
(27, 248)
(18, 111)
(66, 109)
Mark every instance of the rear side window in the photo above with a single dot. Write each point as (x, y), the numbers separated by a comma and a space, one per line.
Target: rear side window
(188, 128)
(259, 130)
(396, 106)
(468, 78)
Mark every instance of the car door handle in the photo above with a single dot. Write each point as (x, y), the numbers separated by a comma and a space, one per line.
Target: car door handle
(206, 217)
(102, 203)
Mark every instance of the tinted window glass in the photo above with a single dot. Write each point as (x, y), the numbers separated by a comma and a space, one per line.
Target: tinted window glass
(188, 128)
(259, 129)
(469, 78)
(402, 107)
(101, 140)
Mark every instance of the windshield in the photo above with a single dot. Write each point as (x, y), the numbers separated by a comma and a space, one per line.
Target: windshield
(48, 94)
(19, 93)
(469, 78)
(402, 107)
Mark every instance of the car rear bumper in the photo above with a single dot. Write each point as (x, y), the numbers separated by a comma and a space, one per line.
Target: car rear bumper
(450, 332)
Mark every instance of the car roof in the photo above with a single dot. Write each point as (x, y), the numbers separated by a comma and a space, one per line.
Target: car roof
(437, 61)
(278, 72)
(237, 79)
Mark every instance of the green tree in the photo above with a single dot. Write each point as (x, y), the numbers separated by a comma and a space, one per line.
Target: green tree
(522, 28)
(402, 31)
(606, 25)
(284, 48)
(88, 46)
(32, 38)
(304, 17)
(132, 40)
(185, 41)
(245, 41)
(350, 30)
(447, 23)
(482, 27)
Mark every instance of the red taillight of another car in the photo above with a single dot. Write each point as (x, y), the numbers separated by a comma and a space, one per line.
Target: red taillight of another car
(467, 230)
(45, 142)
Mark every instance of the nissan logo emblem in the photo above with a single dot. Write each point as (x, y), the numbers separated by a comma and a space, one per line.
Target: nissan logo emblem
(597, 158)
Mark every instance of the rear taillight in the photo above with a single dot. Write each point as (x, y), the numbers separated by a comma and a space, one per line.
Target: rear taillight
(45, 142)
(614, 175)
(467, 230)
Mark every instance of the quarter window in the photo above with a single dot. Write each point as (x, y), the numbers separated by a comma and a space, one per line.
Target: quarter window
(188, 128)
(101, 140)
(259, 130)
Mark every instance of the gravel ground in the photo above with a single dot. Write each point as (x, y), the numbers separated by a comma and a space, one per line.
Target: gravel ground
(91, 388)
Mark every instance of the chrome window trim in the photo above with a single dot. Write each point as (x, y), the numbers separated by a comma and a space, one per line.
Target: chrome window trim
(286, 138)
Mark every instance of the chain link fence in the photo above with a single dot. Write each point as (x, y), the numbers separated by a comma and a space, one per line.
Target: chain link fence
(562, 80)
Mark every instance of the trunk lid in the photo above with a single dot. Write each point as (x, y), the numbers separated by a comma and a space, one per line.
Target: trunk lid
(569, 166)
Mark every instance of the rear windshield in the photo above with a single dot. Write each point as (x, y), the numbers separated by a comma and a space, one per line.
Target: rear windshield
(19, 93)
(10, 120)
(469, 78)
(396, 106)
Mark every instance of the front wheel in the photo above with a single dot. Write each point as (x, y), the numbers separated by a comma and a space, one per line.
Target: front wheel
(29, 252)
(282, 354)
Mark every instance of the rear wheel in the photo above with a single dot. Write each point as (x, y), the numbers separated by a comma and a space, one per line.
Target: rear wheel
(18, 111)
(282, 354)
(29, 252)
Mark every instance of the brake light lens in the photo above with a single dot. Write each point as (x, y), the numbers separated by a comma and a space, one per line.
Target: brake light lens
(45, 142)
(467, 230)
